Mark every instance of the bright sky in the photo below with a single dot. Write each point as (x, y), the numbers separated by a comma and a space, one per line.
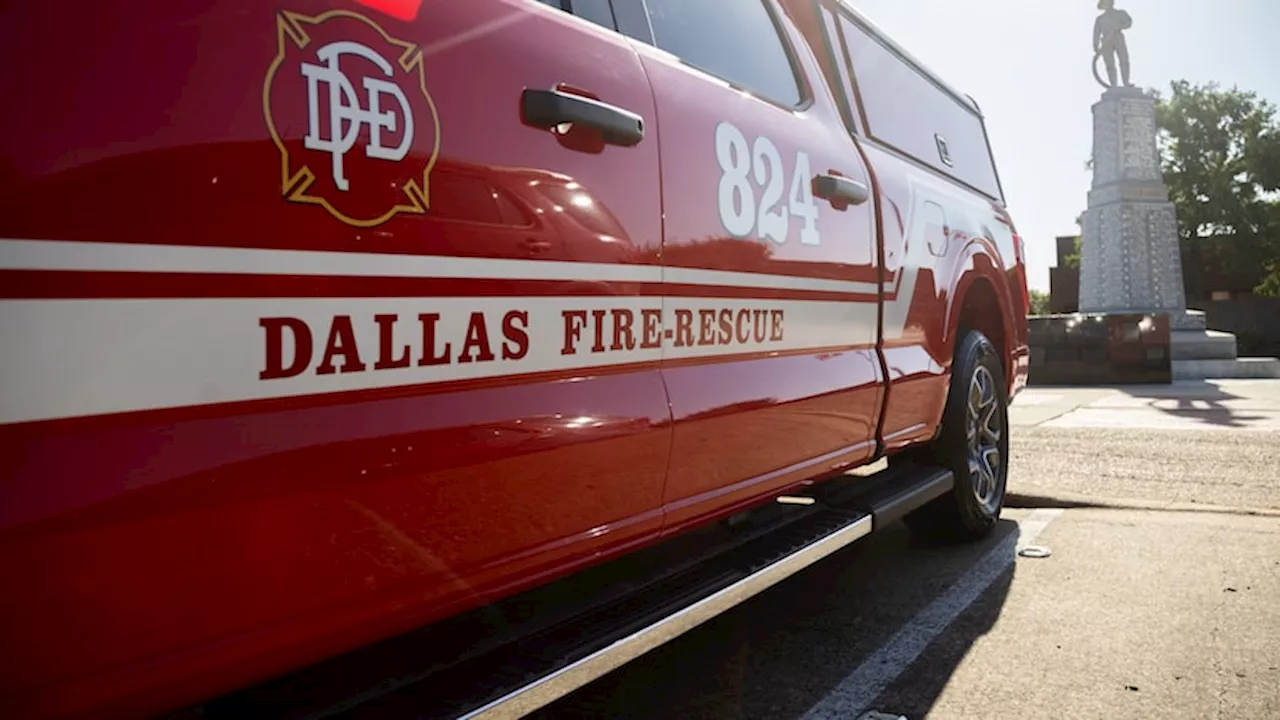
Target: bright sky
(1026, 62)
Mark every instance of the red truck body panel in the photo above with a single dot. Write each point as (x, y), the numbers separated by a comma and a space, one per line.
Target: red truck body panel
(264, 402)
(823, 397)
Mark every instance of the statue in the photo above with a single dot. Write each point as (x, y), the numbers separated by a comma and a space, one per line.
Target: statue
(1108, 43)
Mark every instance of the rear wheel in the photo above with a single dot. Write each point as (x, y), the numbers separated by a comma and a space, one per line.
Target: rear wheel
(973, 443)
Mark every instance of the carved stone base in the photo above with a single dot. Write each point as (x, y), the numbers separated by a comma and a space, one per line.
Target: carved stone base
(1129, 260)
(1179, 320)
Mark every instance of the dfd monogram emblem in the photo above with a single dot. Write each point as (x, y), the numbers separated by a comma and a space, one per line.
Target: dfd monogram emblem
(346, 113)
(348, 109)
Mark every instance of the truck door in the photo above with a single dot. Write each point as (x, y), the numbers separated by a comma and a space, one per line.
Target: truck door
(311, 274)
(769, 259)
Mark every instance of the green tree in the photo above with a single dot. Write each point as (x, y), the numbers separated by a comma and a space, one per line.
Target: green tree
(1220, 152)
(1072, 259)
(1270, 285)
(1039, 303)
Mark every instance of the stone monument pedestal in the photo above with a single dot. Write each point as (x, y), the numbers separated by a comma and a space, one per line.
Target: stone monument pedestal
(1130, 261)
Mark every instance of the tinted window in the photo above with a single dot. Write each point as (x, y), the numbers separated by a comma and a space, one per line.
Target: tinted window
(735, 40)
(908, 111)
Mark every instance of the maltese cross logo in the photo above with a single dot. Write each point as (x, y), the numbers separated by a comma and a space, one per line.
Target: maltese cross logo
(348, 109)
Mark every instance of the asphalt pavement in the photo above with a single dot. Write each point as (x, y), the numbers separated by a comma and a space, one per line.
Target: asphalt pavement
(1158, 508)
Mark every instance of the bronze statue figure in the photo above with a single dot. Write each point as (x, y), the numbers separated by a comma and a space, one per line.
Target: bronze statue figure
(1109, 43)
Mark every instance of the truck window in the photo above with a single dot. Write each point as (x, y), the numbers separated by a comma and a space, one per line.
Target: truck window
(906, 110)
(597, 11)
(735, 40)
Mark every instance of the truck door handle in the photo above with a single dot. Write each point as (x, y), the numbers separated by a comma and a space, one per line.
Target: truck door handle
(836, 187)
(548, 108)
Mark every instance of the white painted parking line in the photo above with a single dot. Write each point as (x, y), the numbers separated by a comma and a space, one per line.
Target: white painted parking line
(861, 687)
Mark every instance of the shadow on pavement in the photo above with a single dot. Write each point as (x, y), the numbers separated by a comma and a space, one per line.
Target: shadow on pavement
(779, 654)
(1196, 400)
(1211, 412)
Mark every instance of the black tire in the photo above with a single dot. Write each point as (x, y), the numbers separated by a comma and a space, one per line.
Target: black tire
(973, 443)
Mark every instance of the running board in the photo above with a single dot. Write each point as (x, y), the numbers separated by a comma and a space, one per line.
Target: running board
(844, 530)
(892, 494)
(511, 658)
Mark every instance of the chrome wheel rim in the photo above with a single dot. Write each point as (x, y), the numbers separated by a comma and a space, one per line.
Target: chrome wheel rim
(985, 432)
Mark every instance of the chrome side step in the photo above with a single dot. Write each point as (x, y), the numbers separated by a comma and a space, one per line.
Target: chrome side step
(552, 687)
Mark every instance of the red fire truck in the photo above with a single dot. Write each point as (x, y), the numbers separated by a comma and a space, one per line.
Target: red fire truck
(328, 321)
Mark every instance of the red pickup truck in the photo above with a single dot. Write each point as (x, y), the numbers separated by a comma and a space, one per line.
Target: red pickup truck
(325, 321)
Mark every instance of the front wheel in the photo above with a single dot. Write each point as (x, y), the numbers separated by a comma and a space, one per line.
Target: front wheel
(973, 443)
